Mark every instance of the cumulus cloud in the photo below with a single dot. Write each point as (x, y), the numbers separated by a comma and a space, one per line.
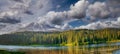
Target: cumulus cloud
(36, 14)
(79, 10)
(15, 12)
(76, 11)
(60, 20)
(106, 9)
(103, 10)
(24, 8)
(98, 10)
(8, 17)
(102, 24)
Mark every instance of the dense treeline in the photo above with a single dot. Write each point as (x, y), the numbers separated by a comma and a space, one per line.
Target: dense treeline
(71, 37)
(7, 52)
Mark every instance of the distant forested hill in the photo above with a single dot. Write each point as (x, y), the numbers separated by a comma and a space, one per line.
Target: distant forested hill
(65, 38)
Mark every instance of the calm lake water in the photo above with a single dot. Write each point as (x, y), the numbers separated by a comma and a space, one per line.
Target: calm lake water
(113, 48)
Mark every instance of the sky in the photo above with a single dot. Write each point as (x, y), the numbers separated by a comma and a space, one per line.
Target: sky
(58, 15)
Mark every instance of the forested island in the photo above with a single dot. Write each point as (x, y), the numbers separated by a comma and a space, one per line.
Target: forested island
(64, 38)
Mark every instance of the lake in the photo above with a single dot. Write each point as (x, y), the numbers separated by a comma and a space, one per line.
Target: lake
(113, 48)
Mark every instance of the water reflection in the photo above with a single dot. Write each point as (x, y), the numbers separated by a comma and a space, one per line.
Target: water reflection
(76, 50)
(116, 51)
(89, 49)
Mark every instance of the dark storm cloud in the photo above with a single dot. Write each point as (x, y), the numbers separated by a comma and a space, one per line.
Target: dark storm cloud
(114, 7)
(29, 12)
(2, 26)
(18, 0)
(93, 1)
(10, 20)
(113, 2)
(57, 21)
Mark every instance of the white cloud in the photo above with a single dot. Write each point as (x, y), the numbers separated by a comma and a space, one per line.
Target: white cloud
(60, 20)
(36, 14)
(66, 27)
(102, 24)
(106, 9)
(26, 10)
(79, 9)
(98, 10)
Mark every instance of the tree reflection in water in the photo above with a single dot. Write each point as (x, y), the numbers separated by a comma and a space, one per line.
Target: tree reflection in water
(77, 50)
